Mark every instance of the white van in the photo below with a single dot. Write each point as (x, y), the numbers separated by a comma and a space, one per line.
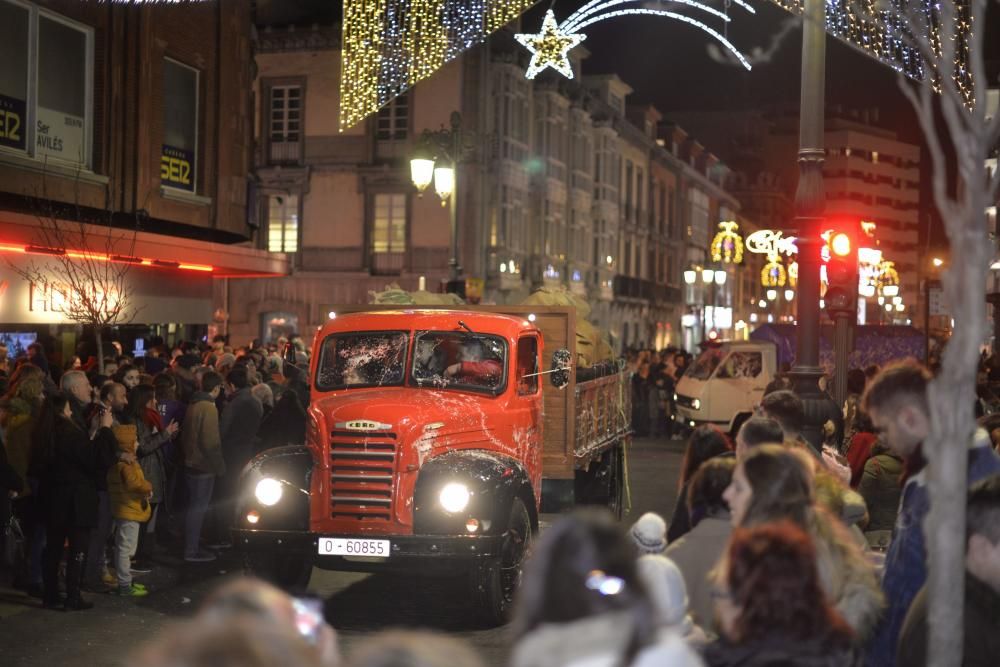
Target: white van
(725, 382)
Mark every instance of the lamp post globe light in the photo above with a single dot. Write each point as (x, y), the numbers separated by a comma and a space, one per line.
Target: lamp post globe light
(435, 159)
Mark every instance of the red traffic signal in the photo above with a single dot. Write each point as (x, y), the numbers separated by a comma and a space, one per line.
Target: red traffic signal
(840, 244)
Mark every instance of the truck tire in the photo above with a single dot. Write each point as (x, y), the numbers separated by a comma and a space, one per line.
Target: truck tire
(495, 581)
(290, 572)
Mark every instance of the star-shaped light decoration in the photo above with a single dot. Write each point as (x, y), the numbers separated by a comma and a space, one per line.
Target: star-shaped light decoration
(549, 48)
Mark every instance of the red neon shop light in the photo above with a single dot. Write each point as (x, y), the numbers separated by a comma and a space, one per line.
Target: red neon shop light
(102, 257)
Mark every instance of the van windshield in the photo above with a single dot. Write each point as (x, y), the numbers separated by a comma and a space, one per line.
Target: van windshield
(705, 364)
(367, 359)
(459, 360)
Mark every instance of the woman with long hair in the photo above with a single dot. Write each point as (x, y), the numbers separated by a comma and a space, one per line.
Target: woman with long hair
(774, 484)
(153, 436)
(69, 463)
(582, 602)
(771, 605)
(705, 442)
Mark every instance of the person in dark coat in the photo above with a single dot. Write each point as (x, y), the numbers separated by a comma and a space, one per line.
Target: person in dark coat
(771, 606)
(284, 425)
(705, 442)
(70, 462)
(238, 426)
(982, 588)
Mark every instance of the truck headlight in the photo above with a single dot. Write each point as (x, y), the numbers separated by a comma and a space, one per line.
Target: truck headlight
(696, 404)
(454, 497)
(268, 491)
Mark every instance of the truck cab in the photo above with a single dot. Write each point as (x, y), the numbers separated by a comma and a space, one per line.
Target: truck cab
(423, 454)
(725, 382)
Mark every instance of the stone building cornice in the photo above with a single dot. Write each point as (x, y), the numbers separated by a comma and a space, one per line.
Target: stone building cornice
(272, 39)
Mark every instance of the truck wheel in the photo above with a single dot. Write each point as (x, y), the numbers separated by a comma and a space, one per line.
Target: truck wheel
(288, 571)
(495, 581)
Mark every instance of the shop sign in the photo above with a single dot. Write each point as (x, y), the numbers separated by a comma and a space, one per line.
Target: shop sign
(177, 168)
(13, 133)
(60, 135)
(57, 297)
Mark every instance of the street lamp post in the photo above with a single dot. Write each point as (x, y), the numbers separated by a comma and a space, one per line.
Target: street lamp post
(809, 206)
(436, 158)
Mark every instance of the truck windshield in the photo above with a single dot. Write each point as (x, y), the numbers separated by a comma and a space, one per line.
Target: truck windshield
(367, 359)
(705, 364)
(459, 360)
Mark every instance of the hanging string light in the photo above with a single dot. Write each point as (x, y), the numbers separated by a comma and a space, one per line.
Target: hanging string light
(727, 246)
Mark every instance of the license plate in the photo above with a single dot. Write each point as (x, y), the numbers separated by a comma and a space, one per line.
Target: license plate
(337, 546)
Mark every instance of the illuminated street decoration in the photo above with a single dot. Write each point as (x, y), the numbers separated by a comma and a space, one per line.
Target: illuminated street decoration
(390, 45)
(771, 242)
(887, 274)
(886, 35)
(549, 48)
(793, 274)
(773, 274)
(727, 246)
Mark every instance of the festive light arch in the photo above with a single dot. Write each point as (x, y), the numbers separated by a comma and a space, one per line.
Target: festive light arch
(390, 45)
(773, 274)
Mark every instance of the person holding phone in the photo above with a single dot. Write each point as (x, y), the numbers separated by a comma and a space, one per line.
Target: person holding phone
(152, 436)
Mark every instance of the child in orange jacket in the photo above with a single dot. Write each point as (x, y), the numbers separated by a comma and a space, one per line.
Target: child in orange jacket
(129, 493)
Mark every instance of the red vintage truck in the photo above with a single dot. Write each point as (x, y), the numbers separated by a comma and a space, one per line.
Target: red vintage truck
(435, 439)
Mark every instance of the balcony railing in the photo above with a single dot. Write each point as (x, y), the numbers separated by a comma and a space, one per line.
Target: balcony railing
(285, 152)
(387, 263)
(639, 288)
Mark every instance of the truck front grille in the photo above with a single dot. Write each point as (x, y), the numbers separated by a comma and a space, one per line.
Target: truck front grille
(362, 472)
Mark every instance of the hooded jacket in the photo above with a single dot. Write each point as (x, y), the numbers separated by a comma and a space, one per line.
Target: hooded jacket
(200, 439)
(598, 641)
(881, 488)
(127, 487)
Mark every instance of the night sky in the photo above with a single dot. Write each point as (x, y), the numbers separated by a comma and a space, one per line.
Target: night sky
(669, 63)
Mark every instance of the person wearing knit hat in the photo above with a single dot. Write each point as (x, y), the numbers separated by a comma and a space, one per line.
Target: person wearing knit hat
(649, 534)
(129, 492)
(667, 591)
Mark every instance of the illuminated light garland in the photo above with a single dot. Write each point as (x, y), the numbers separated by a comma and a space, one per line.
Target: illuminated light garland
(549, 48)
(727, 246)
(887, 274)
(882, 34)
(576, 20)
(390, 45)
(679, 17)
(793, 274)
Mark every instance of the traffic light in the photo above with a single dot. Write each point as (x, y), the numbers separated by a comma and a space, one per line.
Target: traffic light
(842, 271)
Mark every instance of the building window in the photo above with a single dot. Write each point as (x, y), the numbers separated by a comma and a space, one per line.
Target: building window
(283, 223)
(527, 366)
(46, 85)
(388, 233)
(179, 159)
(393, 120)
(285, 124)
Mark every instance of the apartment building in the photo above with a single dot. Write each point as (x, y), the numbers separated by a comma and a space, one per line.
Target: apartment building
(134, 119)
(563, 185)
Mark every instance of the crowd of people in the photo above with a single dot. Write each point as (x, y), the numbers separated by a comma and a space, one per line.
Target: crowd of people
(654, 377)
(780, 551)
(100, 461)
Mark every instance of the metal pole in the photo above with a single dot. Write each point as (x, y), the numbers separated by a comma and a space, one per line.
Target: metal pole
(456, 154)
(809, 206)
(927, 320)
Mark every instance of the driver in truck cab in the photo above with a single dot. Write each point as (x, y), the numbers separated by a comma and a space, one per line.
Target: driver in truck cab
(473, 367)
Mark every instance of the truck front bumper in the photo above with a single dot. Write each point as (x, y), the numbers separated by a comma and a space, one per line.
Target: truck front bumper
(407, 552)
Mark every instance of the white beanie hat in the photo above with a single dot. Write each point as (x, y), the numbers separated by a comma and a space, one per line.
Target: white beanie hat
(667, 591)
(650, 534)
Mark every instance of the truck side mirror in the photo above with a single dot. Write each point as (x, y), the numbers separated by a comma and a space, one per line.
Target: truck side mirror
(562, 366)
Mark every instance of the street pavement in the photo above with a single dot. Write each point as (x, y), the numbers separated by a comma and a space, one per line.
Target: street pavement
(355, 604)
